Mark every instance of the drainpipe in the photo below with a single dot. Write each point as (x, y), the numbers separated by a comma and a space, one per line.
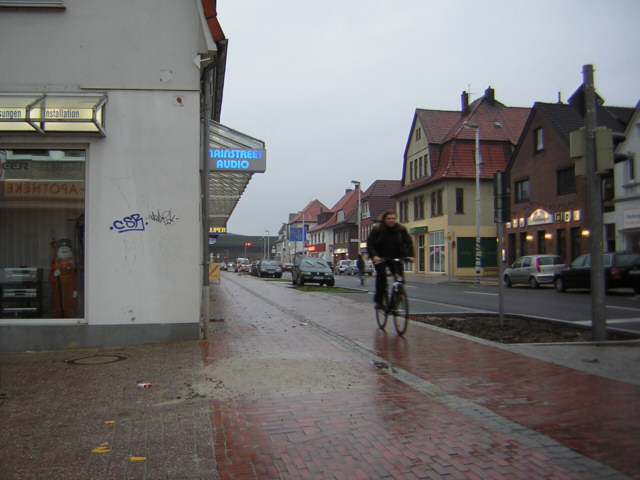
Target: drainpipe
(206, 86)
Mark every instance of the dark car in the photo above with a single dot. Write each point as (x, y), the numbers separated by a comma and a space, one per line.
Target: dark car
(311, 270)
(268, 268)
(621, 270)
(286, 267)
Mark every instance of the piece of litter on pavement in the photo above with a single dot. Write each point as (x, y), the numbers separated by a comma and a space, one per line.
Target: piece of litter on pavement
(137, 459)
(144, 384)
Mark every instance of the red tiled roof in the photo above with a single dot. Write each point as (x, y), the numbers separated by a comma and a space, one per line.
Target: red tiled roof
(211, 14)
(452, 146)
(310, 212)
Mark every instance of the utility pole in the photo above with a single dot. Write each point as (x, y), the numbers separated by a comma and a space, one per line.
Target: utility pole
(594, 195)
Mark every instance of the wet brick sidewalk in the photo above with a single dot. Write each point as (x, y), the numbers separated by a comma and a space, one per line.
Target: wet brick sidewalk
(432, 405)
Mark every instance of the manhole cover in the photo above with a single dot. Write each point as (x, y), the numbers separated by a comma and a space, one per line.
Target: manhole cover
(96, 359)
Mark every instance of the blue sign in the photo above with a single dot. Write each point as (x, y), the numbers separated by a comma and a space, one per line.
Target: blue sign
(247, 160)
(297, 235)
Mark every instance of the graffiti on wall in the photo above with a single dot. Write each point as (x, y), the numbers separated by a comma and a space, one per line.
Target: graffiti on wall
(136, 223)
(131, 223)
(165, 218)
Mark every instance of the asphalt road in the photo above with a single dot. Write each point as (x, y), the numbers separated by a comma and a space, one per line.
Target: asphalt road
(432, 296)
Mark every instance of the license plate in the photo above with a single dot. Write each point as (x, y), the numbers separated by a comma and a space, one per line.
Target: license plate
(318, 278)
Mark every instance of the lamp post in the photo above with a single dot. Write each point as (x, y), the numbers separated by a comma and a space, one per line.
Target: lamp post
(357, 185)
(478, 162)
(268, 251)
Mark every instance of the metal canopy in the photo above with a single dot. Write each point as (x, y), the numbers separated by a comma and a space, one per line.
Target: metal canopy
(226, 187)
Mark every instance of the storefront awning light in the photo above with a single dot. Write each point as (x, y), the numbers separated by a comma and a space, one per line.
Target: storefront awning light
(232, 160)
(50, 112)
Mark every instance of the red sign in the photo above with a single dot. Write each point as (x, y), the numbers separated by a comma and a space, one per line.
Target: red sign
(318, 247)
(51, 190)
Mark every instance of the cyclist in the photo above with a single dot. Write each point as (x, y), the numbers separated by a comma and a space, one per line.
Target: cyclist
(388, 239)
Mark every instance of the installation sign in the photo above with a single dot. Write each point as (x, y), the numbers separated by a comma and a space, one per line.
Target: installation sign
(49, 112)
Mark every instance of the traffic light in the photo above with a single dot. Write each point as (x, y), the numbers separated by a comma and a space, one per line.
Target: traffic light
(247, 244)
(606, 142)
(501, 198)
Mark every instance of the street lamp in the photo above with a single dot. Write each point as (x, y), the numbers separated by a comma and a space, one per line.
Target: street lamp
(478, 162)
(357, 185)
(268, 251)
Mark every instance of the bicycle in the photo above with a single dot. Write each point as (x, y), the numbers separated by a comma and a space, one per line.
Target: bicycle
(395, 302)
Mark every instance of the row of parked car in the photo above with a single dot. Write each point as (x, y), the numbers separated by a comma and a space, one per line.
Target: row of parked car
(621, 270)
(350, 267)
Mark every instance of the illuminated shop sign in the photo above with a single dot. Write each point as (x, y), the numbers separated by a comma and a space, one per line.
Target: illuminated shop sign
(217, 230)
(52, 113)
(247, 160)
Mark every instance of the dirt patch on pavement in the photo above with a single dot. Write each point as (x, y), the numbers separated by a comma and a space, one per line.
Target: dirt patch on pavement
(516, 330)
(254, 377)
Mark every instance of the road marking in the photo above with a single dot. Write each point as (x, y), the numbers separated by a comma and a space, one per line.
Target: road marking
(480, 293)
(623, 308)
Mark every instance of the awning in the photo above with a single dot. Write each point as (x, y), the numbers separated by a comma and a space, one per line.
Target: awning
(233, 159)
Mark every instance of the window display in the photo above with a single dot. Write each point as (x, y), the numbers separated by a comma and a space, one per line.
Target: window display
(42, 235)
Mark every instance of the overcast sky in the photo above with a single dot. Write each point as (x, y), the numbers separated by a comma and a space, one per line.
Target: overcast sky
(331, 87)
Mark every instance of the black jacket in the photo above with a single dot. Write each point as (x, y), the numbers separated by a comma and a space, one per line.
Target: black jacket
(393, 242)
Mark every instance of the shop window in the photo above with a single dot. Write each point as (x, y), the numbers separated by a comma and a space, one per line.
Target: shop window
(436, 252)
(42, 216)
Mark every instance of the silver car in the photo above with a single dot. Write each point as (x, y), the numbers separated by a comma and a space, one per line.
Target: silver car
(533, 270)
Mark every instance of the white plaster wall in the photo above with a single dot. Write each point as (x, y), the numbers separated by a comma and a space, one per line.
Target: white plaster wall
(627, 191)
(138, 52)
(100, 44)
(147, 165)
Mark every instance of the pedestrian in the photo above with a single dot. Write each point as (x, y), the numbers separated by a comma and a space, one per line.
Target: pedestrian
(388, 239)
(360, 266)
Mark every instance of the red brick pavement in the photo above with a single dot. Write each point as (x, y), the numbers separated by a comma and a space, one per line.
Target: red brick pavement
(388, 429)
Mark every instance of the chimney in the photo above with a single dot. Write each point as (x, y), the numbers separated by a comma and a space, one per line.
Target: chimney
(465, 103)
(490, 95)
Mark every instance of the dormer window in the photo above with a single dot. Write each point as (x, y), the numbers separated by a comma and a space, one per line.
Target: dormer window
(417, 134)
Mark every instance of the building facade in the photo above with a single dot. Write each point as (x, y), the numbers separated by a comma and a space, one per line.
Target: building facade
(442, 191)
(548, 200)
(101, 147)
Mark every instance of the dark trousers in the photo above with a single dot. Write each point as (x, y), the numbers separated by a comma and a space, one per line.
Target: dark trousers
(381, 278)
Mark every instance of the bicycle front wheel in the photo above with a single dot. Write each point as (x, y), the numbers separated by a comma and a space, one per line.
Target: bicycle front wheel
(381, 315)
(400, 310)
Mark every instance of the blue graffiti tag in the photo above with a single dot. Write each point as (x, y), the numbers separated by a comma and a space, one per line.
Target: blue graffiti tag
(132, 223)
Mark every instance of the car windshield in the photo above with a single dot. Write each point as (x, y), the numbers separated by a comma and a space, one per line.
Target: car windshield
(271, 263)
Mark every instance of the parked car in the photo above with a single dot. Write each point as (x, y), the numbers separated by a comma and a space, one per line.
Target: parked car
(223, 265)
(344, 267)
(368, 268)
(243, 265)
(621, 270)
(533, 270)
(286, 267)
(268, 268)
(311, 270)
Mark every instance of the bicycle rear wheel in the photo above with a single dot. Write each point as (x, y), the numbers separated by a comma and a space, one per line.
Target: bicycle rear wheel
(382, 313)
(400, 310)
